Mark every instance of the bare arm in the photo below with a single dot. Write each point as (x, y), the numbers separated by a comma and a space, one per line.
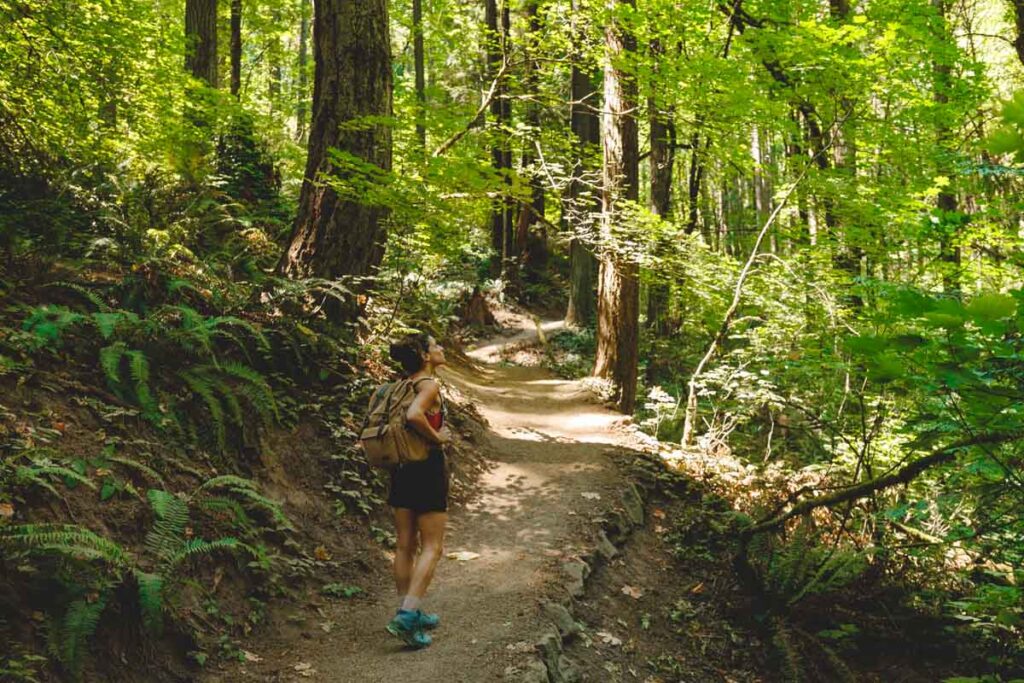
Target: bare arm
(416, 416)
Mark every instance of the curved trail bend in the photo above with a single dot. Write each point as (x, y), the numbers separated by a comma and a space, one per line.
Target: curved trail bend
(547, 442)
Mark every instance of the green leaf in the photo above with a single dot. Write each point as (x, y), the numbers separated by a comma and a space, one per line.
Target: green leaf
(109, 489)
(990, 307)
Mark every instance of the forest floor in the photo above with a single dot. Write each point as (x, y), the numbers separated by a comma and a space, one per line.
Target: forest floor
(558, 462)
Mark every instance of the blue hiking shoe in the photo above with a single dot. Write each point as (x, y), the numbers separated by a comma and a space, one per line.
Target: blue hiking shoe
(405, 626)
(428, 620)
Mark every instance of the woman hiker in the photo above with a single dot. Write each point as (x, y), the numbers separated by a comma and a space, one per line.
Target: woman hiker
(419, 491)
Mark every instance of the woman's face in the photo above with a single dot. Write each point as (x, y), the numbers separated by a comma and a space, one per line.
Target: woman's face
(435, 353)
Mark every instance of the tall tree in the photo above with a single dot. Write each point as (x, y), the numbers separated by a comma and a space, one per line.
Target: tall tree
(530, 245)
(302, 99)
(236, 47)
(1018, 21)
(497, 19)
(201, 40)
(662, 161)
(618, 293)
(580, 202)
(946, 203)
(340, 235)
(419, 68)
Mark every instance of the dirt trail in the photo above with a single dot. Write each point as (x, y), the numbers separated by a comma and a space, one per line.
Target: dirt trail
(548, 441)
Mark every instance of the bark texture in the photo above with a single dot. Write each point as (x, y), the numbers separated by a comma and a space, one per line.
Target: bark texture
(581, 206)
(502, 217)
(301, 107)
(201, 40)
(1018, 20)
(618, 293)
(236, 46)
(419, 68)
(946, 202)
(662, 163)
(336, 235)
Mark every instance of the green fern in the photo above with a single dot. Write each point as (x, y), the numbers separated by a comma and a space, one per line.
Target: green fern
(259, 394)
(248, 491)
(110, 361)
(151, 602)
(202, 386)
(47, 324)
(145, 470)
(67, 540)
(91, 296)
(138, 366)
(196, 547)
(166, 536)
(42, 470)
(69, 638)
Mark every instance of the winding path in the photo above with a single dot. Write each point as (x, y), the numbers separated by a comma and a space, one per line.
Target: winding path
(547, 442)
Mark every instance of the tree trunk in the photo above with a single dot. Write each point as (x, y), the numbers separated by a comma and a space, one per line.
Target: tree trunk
(201, 40)
(618, 301)
(662, 162)
(531, 245)
(502, 215)
(1018, 20)
(420, 74)
(946, 202)
(236, 47)
(338, 236)
(302, 99)
(274, 58)
(580, 206)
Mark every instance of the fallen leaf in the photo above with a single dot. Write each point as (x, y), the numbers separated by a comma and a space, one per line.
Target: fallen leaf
(632, 591)
(698, 588)
(321, 553)
(551, 552)
(327, 626)
(463, 556)
(6, 510)
(608, 638)
(103, 472)
(251, 656)
(658, 512)
(591, 495)
(659, 529)
(305, 669)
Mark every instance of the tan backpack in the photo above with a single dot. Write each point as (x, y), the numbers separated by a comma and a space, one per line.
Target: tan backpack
(385, 437)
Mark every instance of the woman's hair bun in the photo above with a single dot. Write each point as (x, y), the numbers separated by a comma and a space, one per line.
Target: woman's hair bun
(408, 351)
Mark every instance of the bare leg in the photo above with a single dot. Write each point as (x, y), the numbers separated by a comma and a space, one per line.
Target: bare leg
(405, 548)
(431, 526)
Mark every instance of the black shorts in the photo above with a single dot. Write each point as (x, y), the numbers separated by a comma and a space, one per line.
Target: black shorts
(421, 486)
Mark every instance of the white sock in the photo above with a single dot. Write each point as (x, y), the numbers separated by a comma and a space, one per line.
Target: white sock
(410, 603)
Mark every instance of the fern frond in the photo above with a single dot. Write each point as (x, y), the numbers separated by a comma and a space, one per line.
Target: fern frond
(34, 473)
(138, 366)
(68, 540)
(166, 536)
(108, 322)
(197, 547)
(262, 397)
(110, 361)
(151, 602)
(247, 490)
(201, 386)
(218, 323)
(145, 470)
(221, 504)
(70, 641)
(91, 296)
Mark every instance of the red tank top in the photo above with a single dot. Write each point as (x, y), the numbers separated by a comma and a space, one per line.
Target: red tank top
(436, 420)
